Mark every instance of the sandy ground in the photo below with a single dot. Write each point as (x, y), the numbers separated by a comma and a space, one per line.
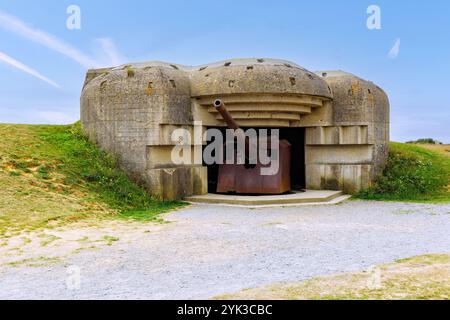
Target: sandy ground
(208, 250)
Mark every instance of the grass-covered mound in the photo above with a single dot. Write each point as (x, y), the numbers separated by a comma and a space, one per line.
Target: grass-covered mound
(413, 173)
(50, 175)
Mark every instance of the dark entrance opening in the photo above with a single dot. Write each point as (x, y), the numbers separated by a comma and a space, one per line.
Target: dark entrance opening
(296, 137)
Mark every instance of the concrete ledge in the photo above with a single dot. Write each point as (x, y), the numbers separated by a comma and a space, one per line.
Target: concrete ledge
(308, 197)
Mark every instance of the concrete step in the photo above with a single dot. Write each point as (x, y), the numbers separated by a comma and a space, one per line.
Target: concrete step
(296, 198)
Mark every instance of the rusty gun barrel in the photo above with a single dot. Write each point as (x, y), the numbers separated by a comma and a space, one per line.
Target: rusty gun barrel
(220, 106)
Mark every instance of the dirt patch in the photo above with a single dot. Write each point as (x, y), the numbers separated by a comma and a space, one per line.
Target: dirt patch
(50, 246)
(422, 277)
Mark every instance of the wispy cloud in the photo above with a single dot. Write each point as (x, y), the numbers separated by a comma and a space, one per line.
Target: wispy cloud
(17, 26)
(109, 53)
(394, 52)
(19, 65)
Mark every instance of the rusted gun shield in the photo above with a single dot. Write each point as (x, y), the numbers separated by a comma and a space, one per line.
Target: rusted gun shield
(247, 179)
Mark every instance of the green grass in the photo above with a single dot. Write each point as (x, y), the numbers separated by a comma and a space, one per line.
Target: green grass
(84, 163)
(413, 174)
(38, 262)
(54, 174)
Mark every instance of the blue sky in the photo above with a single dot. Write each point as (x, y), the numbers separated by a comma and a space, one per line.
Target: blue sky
(43, 63)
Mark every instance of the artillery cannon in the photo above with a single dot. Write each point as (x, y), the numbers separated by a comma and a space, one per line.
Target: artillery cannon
(247, 178)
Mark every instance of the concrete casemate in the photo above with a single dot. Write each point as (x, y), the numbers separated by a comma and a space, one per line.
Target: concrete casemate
(338, 122)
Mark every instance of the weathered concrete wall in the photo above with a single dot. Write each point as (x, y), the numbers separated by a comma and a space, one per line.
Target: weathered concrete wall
(132, 110)
(125, 110)
(350, 153)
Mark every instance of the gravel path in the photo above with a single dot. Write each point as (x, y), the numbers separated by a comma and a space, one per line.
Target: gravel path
(211, 250)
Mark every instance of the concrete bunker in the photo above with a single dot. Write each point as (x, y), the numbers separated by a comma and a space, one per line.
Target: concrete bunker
(338, 123)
